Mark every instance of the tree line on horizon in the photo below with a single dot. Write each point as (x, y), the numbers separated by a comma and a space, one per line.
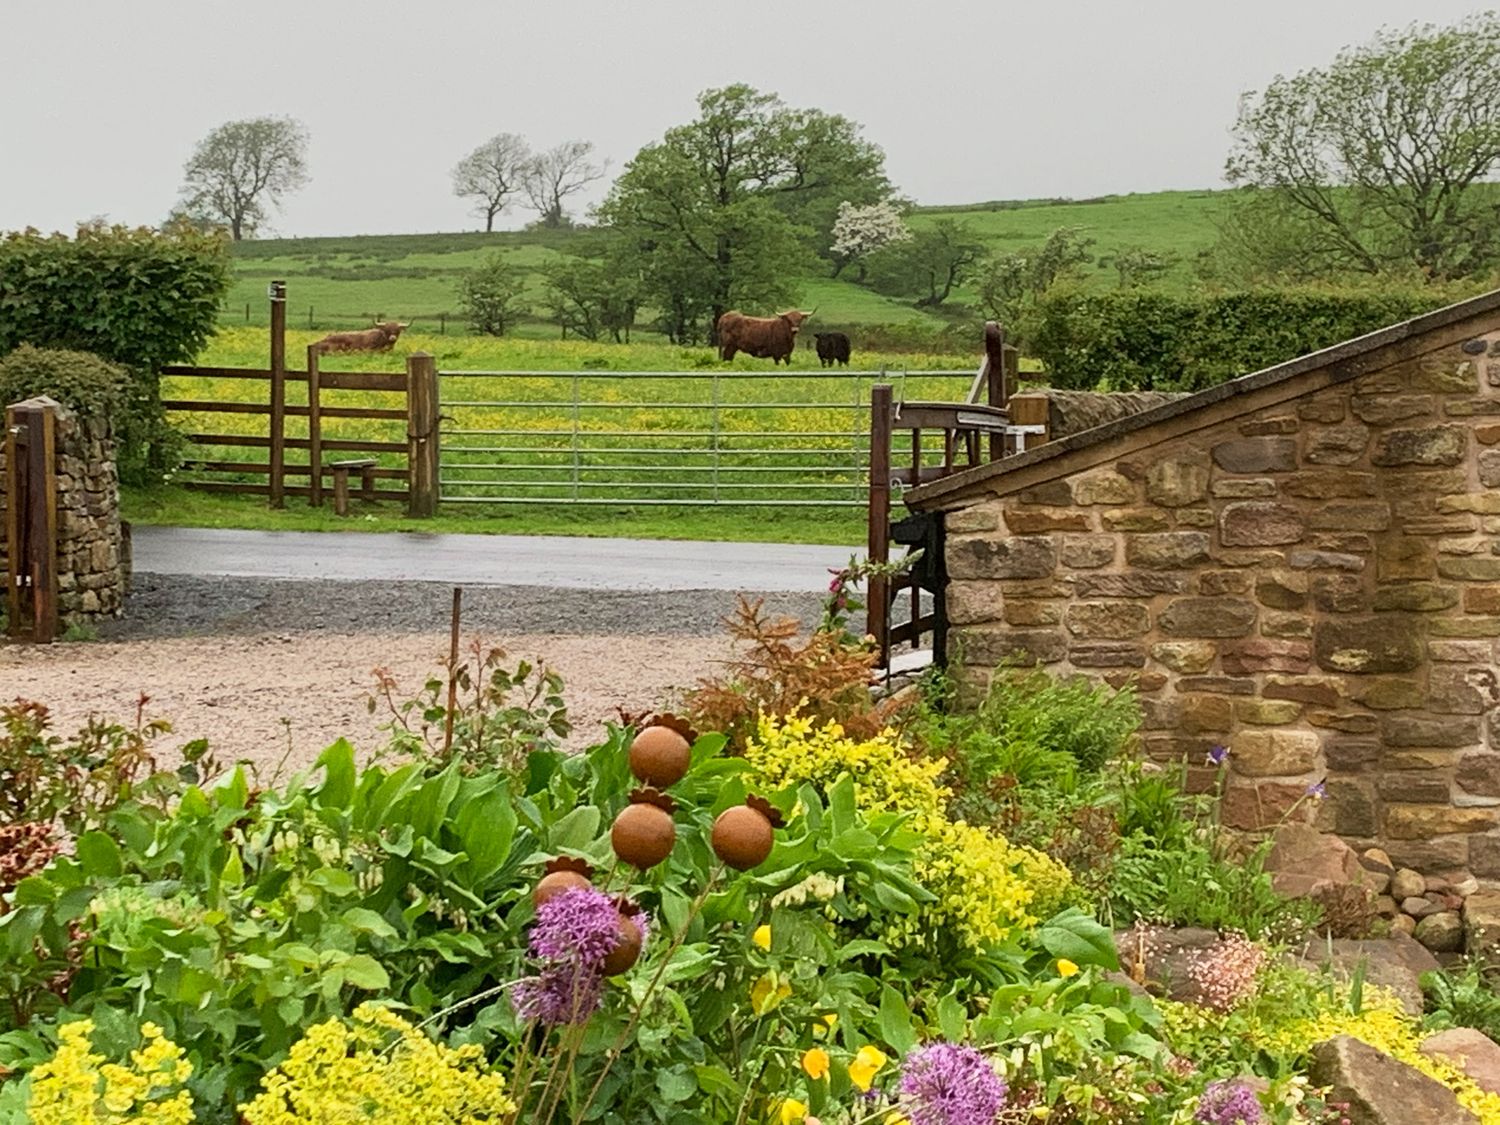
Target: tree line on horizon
(1378, 166)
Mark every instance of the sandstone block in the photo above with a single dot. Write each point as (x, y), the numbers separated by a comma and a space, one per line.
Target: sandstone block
(1171, 550)
(1040, 521)
(1234, 489)
(1267, 712)
(1194, 517)
(1275, 753)
(1442, 932)
(1417, 597)
(1274, 624)
(1203, 714)
(1191, 657)
(1054, 493)
(1250, 807)
(1257, 455)
(1350, 515)
(1324, 560)
(1430, 731)
(1407, 883)
(1255, 523)
(1321, 409)
(1471, 1051)
(1103, 488)
(1336, 445)
(1329, 484)
(1340, 593)
(1482, 921)
(1386, 410)
(1381, 694)
(980, 517)
(1136, 584)
(1422, 822)
(1108, 620)
(1482, 599)
(1282, 589)
(1021, 557)
(1207, 618)
(1136, 519)
(1285, 424)
(1470, 570)
(1107, 654)
(1462, 691)
(1249, 657)
(1215, 583)
(1085, 552)
(1030, 613)
(1431, 445)
(1177, 482)
(1367, 646)
(1402, 558)
(1479, 774)
(992, 647)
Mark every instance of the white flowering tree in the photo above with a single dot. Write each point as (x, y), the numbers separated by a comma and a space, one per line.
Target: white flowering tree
(860, 231)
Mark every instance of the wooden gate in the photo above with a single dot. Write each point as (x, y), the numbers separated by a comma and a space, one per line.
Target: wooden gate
(962, 435)
(264, 422)
(31, 519)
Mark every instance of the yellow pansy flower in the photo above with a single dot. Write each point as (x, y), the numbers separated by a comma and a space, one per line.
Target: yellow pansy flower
(867, 1063)
(815, 1062)
(762, 937)
(768, 992)
(792, 1111)
(824, 1024)
(1066, 968)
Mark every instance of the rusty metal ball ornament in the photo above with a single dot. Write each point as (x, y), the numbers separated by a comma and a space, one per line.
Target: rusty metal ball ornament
(625, 954)
(743, 835)
(643, 833)
(561, 874)
(661, 753)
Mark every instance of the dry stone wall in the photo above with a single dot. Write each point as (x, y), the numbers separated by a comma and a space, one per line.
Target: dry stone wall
(1315, 585)
(92, 551)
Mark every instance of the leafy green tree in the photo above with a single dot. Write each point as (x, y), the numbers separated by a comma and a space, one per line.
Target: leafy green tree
(930, 264)
(242, 169)
(1010, 283)
(735, 201)
(1380, 161)
(141, 298)
(591, 299)
(490, 296)
(1136, 266)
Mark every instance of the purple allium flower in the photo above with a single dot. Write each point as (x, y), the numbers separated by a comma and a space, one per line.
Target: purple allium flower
(578, 927)
(947, 1084)
(1218, 755)
(575, 932)
(1229, 1103)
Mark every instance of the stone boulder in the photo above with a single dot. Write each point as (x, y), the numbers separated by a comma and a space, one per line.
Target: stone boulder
(1395, 963)
(1473, 1052)
(1381, 1090)
(1306, 863)
(1442, 932)
(1164, 957)
(1482, 926)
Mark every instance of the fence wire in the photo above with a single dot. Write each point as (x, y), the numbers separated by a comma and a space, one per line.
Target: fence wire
(686, 438)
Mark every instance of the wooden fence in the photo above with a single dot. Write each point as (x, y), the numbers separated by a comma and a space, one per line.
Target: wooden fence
(407, 462)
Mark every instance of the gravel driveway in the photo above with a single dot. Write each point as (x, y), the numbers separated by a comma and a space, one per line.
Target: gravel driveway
(267, 669)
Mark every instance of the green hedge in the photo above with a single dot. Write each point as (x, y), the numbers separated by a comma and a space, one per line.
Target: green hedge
(1141, 340)
(80, 381)
(137, 297)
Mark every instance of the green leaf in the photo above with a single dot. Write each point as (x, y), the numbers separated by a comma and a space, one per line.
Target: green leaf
(487, 828)
(677, 1084)
(576, 830)
(337, 763)
(1079, 938)
(99, 854)
(952, 1018)
(895, 1021)
(363, 971)
(366, 921)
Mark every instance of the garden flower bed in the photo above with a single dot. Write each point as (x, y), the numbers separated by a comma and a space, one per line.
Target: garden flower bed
(841, 912)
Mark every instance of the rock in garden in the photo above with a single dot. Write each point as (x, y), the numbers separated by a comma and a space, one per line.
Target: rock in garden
(1482, 924)
(1304, 862)
(1381, 1090)
(1375, 859)
(1403, 924)
(1419, 906)
(1395, 963)
(1442, 932)
(1473, 1052)
(1407, 883)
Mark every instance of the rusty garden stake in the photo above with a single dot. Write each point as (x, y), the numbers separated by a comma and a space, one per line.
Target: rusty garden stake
(458, 597)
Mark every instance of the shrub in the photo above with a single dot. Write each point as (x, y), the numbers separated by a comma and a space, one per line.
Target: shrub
(140, 298)
(82, 382)
(376, 1064)
(77, 1086)
(490, 296)
(1139, 339)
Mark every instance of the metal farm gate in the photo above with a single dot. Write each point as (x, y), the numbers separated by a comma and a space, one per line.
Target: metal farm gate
(685, 438)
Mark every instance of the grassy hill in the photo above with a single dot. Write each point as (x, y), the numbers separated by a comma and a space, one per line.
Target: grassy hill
(338, 282)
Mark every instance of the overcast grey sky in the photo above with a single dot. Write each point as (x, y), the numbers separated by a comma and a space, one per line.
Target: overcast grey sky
(101, 101)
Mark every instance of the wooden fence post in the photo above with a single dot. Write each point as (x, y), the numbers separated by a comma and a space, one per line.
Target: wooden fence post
(314, 428)
(422, 435)
(997, 393)
(31, 516)
(277, 293)
(877, 595)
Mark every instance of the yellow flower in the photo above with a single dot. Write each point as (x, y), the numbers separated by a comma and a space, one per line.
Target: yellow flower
(896, 1119)
(824, 1025)
(792, 1111)
(762, 937)
(1066, 968)
(867, 1063)
(768, 992)
(815, 1062)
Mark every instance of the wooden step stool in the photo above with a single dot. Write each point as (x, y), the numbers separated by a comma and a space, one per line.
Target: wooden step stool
(341, 470)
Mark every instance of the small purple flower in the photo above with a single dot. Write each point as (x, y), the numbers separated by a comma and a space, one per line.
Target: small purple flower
(580, 926)
(1318, 791)
(574, 934)
(1228, 1103)
(1218, 755)
(948, 1084)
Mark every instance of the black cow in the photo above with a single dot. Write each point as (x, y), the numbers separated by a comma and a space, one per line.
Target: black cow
(833, 347)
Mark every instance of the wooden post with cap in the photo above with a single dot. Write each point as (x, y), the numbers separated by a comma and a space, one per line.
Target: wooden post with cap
(277, 293)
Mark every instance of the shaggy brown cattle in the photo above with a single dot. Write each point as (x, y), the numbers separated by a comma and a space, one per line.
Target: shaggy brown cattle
(764, 337)
(377, 339)
(833, 347)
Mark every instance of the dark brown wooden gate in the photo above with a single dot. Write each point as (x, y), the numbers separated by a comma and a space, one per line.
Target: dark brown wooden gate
(958, 435)
(31, 520)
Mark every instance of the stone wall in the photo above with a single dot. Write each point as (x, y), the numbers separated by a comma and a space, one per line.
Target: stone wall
(1314, 584)
(92, 553)
(1072, 412)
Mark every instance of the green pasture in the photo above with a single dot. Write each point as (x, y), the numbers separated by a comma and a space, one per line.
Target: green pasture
(338, 282)
(574, 421)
